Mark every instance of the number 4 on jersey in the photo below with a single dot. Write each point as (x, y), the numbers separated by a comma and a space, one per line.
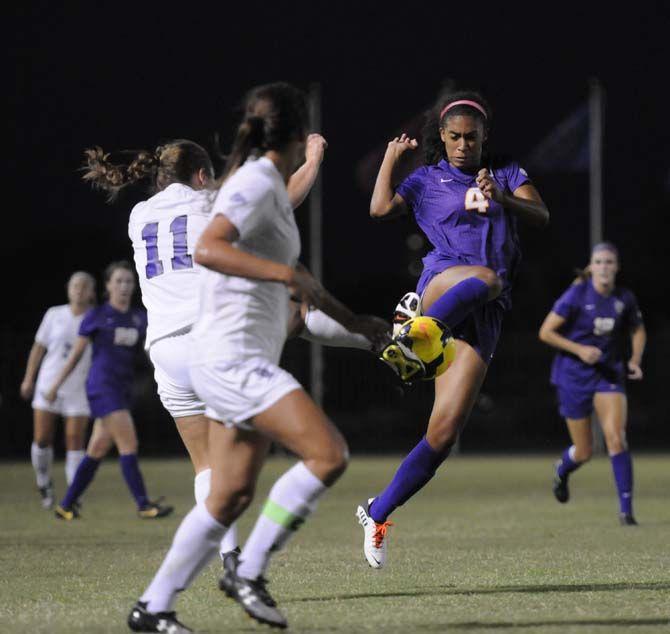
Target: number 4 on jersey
(180, 259)
(474, 199)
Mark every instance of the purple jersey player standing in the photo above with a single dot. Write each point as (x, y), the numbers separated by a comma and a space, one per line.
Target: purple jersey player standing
(116, 331)
(468, 207)
(587, 325)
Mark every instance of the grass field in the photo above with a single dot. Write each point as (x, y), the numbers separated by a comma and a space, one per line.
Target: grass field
(483, 548)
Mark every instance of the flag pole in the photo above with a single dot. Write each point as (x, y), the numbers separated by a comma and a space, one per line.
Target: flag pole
(595, 160)
(315, 243)
(596, 197)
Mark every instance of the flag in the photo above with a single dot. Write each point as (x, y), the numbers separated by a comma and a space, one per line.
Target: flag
(565, 148)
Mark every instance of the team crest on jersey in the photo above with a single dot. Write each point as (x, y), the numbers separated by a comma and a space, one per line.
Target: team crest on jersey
(125, 336)
(136, 320)
(618, 306)
(603, 326)
(238, 198)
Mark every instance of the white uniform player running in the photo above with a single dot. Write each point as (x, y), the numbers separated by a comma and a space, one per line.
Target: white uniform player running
(164, 230)
(55, 337)
(250, 250)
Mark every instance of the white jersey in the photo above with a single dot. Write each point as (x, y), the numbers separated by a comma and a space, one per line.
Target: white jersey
(57, 333)
(242, 318)
(164, 231)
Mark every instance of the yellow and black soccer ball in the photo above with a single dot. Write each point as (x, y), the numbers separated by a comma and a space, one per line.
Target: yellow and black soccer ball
(431, 341)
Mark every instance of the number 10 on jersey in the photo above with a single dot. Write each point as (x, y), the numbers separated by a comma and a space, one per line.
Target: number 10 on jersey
(180, 258)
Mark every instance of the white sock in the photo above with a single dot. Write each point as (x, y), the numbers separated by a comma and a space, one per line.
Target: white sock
(201, 486)
(320, 328)
(194, 544)
(72, 459)
(292, 498)
(42, 459)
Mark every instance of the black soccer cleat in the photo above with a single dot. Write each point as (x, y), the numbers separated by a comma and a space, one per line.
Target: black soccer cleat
(627, 519)
(253, 596)
(155, 510)
(560, 486)
(140, 620)
(230, 561)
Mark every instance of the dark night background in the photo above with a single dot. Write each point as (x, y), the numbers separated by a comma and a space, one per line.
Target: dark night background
(131, 76)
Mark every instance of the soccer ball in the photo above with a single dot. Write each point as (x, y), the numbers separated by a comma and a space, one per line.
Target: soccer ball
(431, 341)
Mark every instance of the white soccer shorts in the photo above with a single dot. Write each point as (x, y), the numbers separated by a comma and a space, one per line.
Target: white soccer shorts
(71, 404)
(170, 359)
(235, 392)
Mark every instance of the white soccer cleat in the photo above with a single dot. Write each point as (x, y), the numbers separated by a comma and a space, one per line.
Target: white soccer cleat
(408, 308)
(374, 541)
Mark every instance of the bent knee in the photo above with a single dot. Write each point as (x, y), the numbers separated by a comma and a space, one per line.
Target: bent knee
(583, 453)
(616, 445)
(335, 463)
(330, 464)
(233, 500)
(443, 434)
(491, 279)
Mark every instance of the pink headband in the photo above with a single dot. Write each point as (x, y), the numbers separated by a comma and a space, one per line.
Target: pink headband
(462, 102)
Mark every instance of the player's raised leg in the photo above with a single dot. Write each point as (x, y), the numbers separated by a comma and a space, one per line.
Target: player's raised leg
(455, 394)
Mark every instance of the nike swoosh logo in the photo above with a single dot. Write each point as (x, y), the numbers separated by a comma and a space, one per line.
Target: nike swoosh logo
(373, 557)
(446, 180)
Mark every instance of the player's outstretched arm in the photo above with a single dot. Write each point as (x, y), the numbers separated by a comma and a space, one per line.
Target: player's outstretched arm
(384, 200)
(309, 290)
(75, 354)
(303, 179)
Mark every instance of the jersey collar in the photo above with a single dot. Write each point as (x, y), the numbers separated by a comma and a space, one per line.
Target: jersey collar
(456, 174)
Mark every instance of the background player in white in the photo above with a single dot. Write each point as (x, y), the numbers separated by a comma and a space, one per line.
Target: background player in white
(251, 247)
(53, 341)
(164, 230)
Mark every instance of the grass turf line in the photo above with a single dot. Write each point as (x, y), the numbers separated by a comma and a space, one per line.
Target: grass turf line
(483, 548)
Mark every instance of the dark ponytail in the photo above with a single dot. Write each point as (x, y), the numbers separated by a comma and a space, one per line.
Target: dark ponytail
(274, 116)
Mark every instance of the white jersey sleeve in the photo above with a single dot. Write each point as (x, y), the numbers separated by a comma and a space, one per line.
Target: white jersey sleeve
(43, 332)
(244, 204)
(164, 231)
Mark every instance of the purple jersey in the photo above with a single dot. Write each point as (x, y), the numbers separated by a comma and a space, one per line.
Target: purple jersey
(463, 226)
(594, 320)
(115, 337)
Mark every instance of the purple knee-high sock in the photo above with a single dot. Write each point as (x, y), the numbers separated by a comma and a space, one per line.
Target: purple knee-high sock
(567, 465)
(133, 477)
(459, 301)
(622, 466)
(413, 474)
(82, 478)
